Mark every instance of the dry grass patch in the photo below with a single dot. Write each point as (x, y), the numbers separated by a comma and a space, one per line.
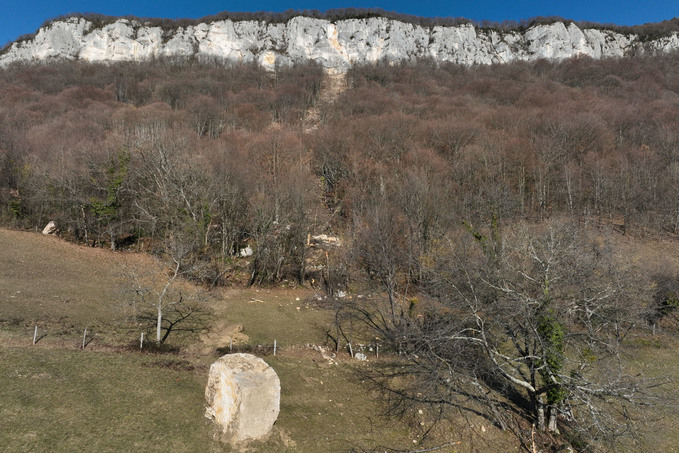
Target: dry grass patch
(64, 401)
(44, 278)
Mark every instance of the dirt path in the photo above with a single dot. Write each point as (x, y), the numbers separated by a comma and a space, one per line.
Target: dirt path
(332, 86)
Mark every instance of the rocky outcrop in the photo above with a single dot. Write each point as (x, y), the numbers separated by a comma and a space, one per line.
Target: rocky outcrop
(243, 396)
(332, 44)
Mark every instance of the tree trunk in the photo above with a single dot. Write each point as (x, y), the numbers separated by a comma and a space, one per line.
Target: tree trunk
(539, 408)
(301, 273)
(392, 302)
(159, 324)
(551, 422)
(253, 274)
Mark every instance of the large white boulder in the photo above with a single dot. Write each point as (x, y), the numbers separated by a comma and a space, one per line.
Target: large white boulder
(243, 396)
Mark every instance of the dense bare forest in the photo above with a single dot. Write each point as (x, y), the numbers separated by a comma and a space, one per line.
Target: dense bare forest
(449, 187)
(152, 150)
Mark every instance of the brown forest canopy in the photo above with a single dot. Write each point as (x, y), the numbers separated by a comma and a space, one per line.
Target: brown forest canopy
(220, 155)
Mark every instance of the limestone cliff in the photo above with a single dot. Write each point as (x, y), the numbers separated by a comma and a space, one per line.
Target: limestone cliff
(333, 44)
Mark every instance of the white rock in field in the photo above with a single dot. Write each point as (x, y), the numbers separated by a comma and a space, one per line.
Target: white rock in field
(245, 252)
(243, 396)
(50, 228)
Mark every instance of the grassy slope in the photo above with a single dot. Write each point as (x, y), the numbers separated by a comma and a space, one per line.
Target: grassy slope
(69, 400)
(54, 397)
(44, 278)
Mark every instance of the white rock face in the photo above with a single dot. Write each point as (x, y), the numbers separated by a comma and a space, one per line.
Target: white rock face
(243, 396)
(334, 45)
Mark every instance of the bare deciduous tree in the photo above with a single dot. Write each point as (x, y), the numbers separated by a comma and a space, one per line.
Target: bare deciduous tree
(531, 321)
(174, 304)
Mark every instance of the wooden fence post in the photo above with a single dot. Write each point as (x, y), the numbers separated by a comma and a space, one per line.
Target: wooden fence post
(84, 337)
(35, 334)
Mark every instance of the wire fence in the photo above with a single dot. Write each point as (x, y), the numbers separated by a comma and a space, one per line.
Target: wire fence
(82, 339)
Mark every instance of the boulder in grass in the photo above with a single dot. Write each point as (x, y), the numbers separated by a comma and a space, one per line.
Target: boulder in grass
(243, 397)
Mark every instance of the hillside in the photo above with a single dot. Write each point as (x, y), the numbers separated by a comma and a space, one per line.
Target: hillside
(337, 44)
(505, 234)
(111, 397)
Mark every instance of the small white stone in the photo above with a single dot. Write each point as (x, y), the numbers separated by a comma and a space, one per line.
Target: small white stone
(50, 228)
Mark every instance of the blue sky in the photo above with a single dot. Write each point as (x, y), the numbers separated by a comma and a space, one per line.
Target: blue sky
(21, 17)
